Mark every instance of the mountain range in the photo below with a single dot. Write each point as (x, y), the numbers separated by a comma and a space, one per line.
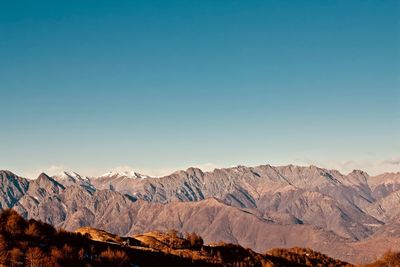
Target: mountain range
(354, 217)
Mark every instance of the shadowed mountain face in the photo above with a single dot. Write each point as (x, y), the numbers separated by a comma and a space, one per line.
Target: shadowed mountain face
(258, 207)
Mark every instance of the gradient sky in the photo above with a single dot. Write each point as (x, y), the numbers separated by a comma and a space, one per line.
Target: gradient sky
(161, 85)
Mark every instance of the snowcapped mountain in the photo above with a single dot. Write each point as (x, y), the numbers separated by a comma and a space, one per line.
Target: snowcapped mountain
(71, 176)
(285, 205)
(124, 174)
(68, 178)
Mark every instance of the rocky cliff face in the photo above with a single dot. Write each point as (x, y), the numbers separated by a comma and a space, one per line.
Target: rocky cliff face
(258, 207)
(12, 188)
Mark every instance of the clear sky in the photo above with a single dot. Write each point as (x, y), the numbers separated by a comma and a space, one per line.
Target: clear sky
(161, 85)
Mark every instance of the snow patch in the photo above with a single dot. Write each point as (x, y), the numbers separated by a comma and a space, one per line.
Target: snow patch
(125, 174)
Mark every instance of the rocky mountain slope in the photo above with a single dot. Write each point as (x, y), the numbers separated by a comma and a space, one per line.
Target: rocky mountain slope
(258, 207)
(33, 243)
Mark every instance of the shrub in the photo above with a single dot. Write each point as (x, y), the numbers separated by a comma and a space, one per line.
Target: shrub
(115, 257)
(195, 240)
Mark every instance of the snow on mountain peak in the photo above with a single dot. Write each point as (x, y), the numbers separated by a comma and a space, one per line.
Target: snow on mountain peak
(70, 175)
(128, 174)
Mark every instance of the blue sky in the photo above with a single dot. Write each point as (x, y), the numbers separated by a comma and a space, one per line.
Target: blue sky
(161, 85)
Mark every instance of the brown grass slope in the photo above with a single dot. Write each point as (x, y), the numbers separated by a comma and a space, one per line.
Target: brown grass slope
(33, 243)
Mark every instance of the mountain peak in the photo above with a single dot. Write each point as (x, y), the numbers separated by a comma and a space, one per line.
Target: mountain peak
(45, 183)
(70, 173)
(70, 176)
(7, 172)
(43, 176)
(359, 173)
(44, 179)
(196, 171)
(125, 174)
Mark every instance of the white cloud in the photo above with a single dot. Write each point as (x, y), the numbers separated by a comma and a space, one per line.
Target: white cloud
(393, 161)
